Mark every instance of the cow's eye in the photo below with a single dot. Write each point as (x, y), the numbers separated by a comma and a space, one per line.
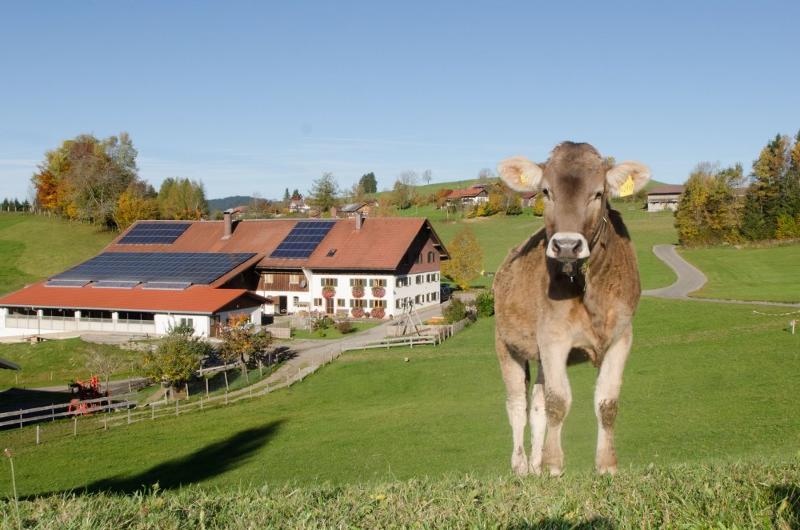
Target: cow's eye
(598, 195)
(546, 192)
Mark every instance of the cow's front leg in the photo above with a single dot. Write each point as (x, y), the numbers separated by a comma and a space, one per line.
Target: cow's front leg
(538, 420)
(557, 401)
(606, 401)
(515, 378)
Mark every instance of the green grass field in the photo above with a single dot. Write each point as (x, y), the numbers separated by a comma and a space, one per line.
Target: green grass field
(57, 362)
(769, 273)
(332, 332)
(720, 389)
(33, 247)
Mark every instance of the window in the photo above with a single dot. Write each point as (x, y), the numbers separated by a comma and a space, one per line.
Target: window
(329, 282)
(377, 282)
(269, 278)
(419, 258)
(340, 302)
(318, 302)
(295, 300)
(431, 256)
(434, 296)
(358, 282)
(403, 281)
(358, 302)
(187, 323)
(419, 299)
(377, 303)
(420, 279)
(294, 279)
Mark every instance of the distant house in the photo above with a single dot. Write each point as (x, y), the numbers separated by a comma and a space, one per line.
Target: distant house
(297, 204)
(664, 197)
(475, 194)
(355, 208)
(528, 198)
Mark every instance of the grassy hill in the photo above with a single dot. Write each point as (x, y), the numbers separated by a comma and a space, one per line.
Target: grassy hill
(33, 247)
(701, 387)
(225, 203)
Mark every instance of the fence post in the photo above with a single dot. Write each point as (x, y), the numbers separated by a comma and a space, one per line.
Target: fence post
(152, 412)
(187, 390)
(260, 369)
(201, 402)
(52, 412)
(20, 418)
(225, 372)
(206, 378)
(37, 435)
(226, 396)
(177, 401)
(74, 426)
(105, 424)
(129, 415)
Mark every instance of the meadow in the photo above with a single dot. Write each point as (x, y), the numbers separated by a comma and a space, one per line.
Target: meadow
(33, 247)
(751, 273)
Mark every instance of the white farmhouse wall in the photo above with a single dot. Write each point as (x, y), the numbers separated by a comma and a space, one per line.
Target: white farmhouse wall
(3, 313)
(253, 314)
(200, 323)
(424, 294)
(662, 205)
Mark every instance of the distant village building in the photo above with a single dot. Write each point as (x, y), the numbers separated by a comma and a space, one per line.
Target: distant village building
(664, 197)
(297, 204)
(473, 195)
(356, 208)
(161, 274)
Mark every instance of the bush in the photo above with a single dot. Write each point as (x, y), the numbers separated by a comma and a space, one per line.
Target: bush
(345, 327)
(321, 323)
(538, 205)
(484, 304)
(514, 209)
(455, 311)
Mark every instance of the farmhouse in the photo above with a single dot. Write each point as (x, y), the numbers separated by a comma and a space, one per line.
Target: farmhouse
(469, 196)
(357, 208)
(297, 204)
(159, 274)
(664, 197)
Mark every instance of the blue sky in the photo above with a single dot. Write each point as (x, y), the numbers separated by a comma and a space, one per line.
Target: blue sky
(256, 97)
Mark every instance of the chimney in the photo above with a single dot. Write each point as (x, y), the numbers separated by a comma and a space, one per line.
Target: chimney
(227, 215)
(359, 220)
(334, 212)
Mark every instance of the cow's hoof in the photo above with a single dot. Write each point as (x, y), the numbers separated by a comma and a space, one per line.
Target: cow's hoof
(556, 471)
(519, 464)
(535, 469)
(607, 470)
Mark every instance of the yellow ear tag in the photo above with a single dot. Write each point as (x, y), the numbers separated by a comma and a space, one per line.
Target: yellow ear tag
(627, 187)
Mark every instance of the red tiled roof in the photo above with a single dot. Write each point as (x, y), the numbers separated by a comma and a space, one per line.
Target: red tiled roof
(473, 191)
(381, 243)
(667, 189)
(198, 299)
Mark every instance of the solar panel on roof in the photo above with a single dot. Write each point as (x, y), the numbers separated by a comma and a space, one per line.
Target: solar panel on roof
(154, 233)
(303, 239)
(66, 283)
(191, 267)
(110, 284)
(168, 286)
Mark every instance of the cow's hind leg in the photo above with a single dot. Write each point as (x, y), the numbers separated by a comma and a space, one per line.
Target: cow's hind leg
(515, 376)
(557, 400)
(606, 402)
(538, 420)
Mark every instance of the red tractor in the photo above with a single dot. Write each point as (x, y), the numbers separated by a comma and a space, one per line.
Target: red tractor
(84, 390)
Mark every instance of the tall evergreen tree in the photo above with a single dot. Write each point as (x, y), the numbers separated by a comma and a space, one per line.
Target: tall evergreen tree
(368, 183)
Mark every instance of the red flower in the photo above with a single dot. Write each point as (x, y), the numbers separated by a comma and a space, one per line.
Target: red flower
(358, 312)
(328, 291)
(358, 292)
(378, 312)
(378, 292)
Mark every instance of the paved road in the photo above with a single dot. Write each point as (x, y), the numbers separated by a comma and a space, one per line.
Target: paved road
(690, 279)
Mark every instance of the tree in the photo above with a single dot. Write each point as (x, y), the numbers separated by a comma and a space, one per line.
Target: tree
(485, 174)
(404, 191)
(324, 193)
(103, 364)
(427, 176)
(466, 259)
(182, 199)
(241, 341)
(708, 212)
(538, 205)
(137, 202)
(774, 192)
(368, 183)
(176, 358)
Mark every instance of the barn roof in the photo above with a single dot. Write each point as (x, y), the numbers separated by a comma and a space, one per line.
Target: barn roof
(667, 189)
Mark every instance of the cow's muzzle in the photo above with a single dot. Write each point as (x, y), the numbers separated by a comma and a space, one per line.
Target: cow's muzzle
(568, 246)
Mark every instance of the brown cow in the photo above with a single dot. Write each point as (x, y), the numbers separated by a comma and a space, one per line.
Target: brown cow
(574, 285)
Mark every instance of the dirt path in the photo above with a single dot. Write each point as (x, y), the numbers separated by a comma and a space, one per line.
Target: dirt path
(690, 279)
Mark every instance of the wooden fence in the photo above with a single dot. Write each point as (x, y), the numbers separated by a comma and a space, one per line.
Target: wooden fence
(38, 414)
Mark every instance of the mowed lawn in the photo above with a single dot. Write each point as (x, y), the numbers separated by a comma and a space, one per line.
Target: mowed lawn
(33, 247)
(57, 362)
(705, 383)
(770, 273)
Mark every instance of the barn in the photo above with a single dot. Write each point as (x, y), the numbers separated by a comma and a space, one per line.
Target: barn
(159, 274)
(664, 197)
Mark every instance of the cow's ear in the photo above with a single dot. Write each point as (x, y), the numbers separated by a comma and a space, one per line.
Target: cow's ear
(520, 174)
(617, 178)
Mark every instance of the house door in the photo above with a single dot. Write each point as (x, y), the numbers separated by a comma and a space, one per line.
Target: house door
(329, 306)
(282, 305)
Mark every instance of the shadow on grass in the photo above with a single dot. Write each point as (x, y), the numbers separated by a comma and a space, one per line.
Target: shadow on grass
(204, 463)
(596, 523)
(787, 501)
(23, 398)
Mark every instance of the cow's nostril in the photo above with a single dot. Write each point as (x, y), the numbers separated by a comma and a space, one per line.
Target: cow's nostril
(577, 246)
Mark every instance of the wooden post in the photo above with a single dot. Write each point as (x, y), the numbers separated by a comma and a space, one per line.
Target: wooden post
(37, 435)
(250, 391)
(187, 389)
(793, 323)
(201, 402)
(260, 369)
(225, 372)
(105, 424)
(52, 412)
(130, 388)
(206, 378)
(20, 418)
(152, 412)
(246, 374)
(129, 415)
(226, 396)
(176, 406)
(74, 426)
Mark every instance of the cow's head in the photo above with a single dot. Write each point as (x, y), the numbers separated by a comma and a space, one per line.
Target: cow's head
(575, 182)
